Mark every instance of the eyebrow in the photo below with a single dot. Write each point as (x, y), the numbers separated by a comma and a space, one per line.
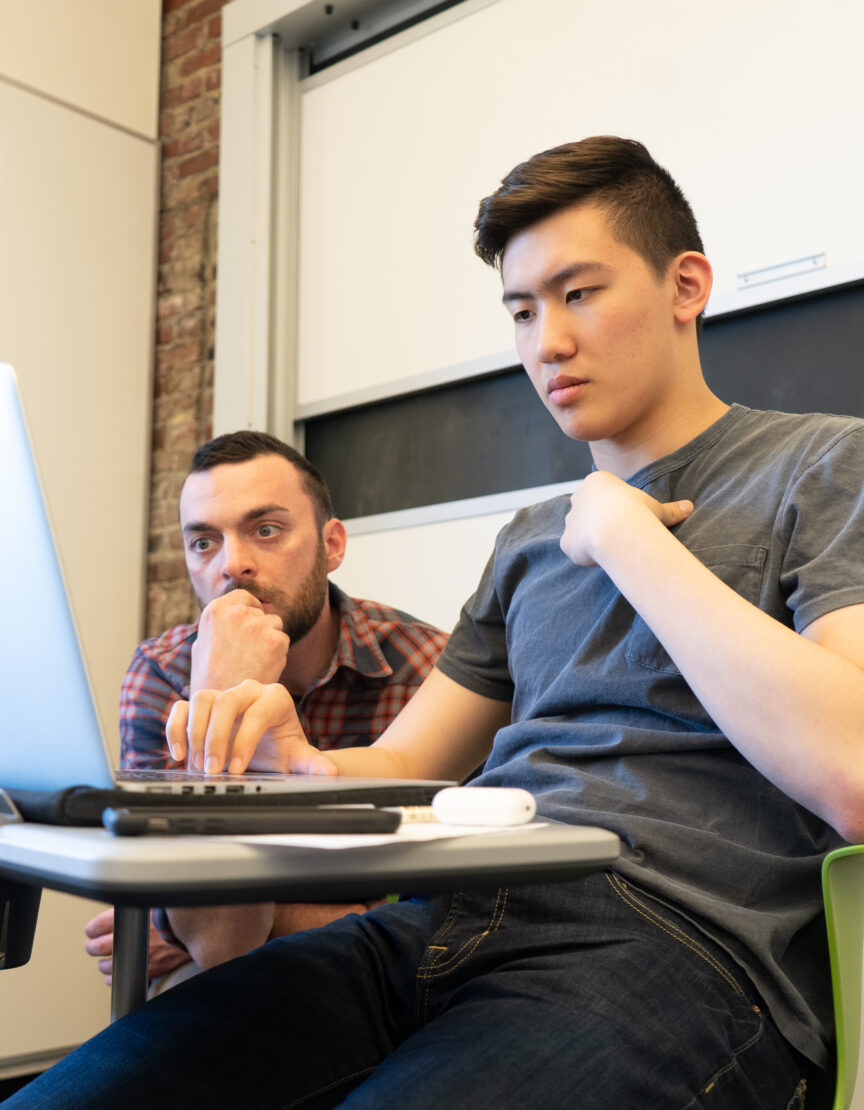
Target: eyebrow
(576, 270)
(247, 518)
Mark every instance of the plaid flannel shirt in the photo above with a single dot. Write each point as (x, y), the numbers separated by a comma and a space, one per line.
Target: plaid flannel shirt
(381, 658)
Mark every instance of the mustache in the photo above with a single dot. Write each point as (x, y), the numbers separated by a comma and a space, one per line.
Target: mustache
(272, 596)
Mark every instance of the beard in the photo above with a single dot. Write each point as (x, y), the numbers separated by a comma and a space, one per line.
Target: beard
(298, 610)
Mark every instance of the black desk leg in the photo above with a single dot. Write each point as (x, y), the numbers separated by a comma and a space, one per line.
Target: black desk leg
(131, 945)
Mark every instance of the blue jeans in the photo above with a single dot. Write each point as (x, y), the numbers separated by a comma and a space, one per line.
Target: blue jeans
(589, 994)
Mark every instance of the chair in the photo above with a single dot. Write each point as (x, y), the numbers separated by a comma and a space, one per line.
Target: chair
(843, 891)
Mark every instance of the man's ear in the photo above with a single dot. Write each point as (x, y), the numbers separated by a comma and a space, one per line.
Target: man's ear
(335, 540)
(693, 279)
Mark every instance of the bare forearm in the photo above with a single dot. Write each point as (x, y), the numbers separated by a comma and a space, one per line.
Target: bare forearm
(794, 708)
(371, 762)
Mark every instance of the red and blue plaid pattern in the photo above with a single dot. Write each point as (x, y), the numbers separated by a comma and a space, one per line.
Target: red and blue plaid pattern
(381, 658)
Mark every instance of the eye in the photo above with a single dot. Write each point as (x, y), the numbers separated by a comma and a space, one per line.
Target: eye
(200, 544)
(575, 295)
(265, 531)
(523, 316)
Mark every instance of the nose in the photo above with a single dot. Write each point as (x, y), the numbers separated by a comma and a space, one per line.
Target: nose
(237, 559)
(554, 335)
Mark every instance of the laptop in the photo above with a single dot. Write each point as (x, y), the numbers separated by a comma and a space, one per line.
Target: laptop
(50, 733)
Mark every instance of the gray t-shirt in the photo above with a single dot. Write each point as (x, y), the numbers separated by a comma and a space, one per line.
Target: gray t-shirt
(605, 730)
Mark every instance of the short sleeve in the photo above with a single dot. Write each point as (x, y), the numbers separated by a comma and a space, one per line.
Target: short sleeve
(476, 653)
(823, 568)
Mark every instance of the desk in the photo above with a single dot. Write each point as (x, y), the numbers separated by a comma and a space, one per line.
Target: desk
(135, 873)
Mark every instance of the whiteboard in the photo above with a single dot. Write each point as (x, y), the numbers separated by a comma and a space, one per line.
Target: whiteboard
(755, 109)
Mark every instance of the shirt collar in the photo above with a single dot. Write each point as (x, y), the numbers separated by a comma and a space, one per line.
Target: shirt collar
(357, 647)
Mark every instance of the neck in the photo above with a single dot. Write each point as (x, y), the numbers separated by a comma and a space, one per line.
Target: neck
(310, 659)
(623, 456)
(682, 409)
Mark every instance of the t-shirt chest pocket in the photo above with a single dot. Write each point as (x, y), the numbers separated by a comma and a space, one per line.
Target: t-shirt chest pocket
(740, 566)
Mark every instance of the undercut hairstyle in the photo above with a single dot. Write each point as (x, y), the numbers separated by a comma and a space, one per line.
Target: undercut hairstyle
(646, 209)
(237, 447)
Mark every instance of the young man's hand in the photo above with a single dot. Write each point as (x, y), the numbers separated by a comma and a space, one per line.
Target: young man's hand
(249, 727)
(237, 639)
(605, 511)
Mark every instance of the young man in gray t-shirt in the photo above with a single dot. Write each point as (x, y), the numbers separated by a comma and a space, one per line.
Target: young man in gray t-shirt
(675, 652)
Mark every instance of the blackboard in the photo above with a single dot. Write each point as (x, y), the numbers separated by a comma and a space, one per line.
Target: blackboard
(491, 434)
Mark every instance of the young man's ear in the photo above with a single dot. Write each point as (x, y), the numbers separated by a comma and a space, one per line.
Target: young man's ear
(693, 280)
(335, 539)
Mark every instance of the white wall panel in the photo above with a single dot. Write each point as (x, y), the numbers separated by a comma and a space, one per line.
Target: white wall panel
(79, 87)
(428, 561)
(98, 55)
(58, 999)
(429, 570)
(77, 224)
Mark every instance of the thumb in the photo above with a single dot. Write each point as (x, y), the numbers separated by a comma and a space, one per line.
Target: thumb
(175, 730)
(673, 512)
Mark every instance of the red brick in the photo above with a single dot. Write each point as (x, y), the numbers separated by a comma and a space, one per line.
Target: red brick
(184, 326)
(177, 45)
(175, 147)
(204, 8)
(202, 60)
(181, 94)
(169, 6)
(204, 161)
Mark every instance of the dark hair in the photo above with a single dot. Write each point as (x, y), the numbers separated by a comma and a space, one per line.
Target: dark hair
(646, 209)
(237, 447)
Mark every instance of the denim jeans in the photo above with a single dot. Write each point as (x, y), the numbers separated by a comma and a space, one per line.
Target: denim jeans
(589, 995)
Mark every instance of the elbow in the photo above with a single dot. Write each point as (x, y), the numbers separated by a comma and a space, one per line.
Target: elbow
(850, 827)
(846, 815)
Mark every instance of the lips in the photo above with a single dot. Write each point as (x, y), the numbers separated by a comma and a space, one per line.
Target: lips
(563, 388)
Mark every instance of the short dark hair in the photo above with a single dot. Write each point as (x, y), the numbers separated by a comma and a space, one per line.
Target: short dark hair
(646, 209)
(237, 447)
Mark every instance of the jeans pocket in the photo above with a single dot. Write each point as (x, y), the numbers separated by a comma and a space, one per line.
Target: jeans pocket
(677, 928)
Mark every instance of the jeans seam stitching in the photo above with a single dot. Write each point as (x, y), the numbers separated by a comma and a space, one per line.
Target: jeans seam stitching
(432, 971)
(427, 972)
(329, 1086)
(673, 931)
(736, 1052)
(421, 1005)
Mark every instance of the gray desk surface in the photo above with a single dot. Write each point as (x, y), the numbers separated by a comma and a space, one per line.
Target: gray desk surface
(146, 871)
(134, 873)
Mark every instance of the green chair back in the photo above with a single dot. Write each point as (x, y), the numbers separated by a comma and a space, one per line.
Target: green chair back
(843, 891)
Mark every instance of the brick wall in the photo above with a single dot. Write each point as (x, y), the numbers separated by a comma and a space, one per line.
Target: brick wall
(186, 297)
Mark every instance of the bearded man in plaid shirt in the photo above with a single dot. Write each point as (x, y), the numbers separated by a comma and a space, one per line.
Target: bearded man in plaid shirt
(260, 540)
